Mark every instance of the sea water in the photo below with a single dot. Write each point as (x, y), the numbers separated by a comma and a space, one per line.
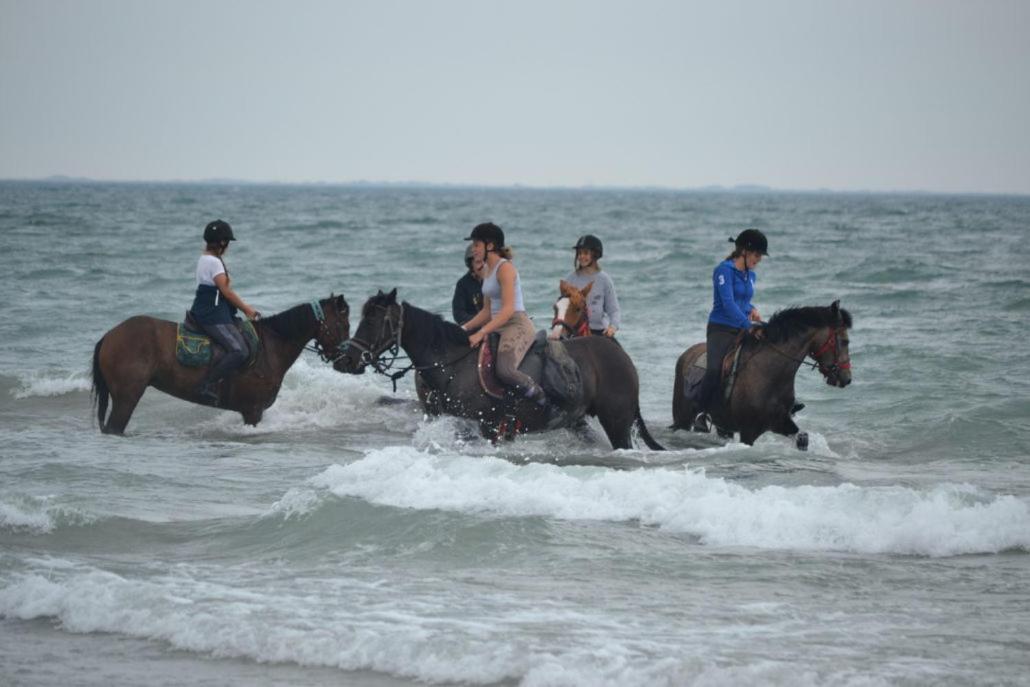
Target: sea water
(348, 540)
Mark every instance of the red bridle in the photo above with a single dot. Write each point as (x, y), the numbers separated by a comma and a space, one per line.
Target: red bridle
(581, 328)
(835, 366)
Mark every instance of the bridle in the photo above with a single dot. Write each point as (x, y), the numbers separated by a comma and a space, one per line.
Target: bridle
(390, 334)
(582, 328)
(834, 368)
(828, 371)
(324, 331)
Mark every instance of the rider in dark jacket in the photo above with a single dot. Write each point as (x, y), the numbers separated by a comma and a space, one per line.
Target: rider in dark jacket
(468, 292)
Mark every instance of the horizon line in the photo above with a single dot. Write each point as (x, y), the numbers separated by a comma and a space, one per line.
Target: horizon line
(364, 183)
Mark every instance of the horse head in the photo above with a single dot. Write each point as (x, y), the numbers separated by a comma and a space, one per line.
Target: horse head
(333, 327)
(832, 355)
(378, 331)
(570, 312)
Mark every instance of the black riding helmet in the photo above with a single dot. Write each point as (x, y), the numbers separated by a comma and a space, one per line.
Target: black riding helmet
(218, 231)
(488, 232)
(753, 240)
(592, 243)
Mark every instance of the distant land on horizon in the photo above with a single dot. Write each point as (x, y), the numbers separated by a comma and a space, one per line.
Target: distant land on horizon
(411, 184)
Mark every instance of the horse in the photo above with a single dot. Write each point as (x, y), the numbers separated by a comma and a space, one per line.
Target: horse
(140, 352)
(763, 392)
(571, 318)
(440, 351)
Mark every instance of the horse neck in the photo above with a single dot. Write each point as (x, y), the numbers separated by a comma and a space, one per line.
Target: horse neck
(287, 346)
(411, 341)
(785, 357)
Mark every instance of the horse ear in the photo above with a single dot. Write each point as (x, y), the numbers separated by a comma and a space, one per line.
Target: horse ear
(835, 306)
(586, 289)
(380, 293)
(392, 295)
(563, 286)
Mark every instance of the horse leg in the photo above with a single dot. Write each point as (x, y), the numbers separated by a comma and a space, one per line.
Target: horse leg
(619, 436)
(788, 428)
(123, 402)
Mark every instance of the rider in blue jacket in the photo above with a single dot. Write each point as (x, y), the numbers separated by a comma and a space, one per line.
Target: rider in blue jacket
(733, 285)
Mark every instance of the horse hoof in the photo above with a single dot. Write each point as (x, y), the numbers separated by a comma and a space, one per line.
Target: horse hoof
(797, 408)
(802, 441)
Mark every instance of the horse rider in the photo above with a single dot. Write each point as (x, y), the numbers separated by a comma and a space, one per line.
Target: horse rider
(504, 312)
(602, 303)
(468, 292)
(733, 286)
(214, 308)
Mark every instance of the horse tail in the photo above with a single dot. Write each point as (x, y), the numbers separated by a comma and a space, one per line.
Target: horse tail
(646, 435)
(99, 392)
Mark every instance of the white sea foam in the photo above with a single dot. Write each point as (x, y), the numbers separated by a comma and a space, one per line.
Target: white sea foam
(314, 396)
(943, 521)
(374, 631)
(38, 515)
(42, 384)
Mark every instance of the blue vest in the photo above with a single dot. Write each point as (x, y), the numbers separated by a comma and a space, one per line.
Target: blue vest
(210, 307)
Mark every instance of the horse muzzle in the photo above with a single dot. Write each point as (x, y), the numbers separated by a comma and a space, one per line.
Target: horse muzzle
(350, 361)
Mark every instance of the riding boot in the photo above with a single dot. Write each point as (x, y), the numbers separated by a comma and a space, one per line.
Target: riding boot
(553, 414)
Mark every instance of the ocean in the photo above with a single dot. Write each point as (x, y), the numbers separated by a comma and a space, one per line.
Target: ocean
(349, 540)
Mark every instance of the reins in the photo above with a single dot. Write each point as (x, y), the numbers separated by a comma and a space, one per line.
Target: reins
(374, 359)
(826, 370)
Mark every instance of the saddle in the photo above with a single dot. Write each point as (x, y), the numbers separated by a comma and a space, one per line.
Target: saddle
(194, 348)
(546, 362)
(730, 365)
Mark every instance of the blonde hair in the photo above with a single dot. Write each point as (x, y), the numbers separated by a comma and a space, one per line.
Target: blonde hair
(505, 252)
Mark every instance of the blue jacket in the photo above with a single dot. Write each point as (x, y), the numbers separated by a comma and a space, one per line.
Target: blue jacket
(733, 290)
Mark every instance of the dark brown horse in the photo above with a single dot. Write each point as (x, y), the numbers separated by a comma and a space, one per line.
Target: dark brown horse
(571, 317)
(140, 352)
(763, 393)
(440, 351)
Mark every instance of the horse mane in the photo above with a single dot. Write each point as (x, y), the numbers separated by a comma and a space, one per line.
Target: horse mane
(785, 324)
(435, 333)
(288, 322)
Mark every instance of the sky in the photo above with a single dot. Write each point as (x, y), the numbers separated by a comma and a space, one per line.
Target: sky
(898, 95)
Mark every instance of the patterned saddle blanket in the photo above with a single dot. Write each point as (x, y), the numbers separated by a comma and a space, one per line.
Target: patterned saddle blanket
(696, 373)
(193, 348)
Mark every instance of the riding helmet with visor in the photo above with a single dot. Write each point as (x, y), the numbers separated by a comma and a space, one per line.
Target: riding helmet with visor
(488, 232)
(752, 240)
(591, 243)
(218, 231)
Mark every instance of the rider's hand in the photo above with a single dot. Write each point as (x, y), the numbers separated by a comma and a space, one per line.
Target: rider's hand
(476, 339)
(610, 331)
(251, 313)
(754, 316)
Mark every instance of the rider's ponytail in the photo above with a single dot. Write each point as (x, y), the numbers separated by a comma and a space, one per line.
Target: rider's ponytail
(506, 252)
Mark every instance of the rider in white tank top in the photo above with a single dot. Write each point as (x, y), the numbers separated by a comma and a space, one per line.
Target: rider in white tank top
(492, 290)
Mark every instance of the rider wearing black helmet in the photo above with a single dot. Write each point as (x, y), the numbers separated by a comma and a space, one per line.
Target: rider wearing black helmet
(215, 305)
(602, 303)
(733, 283)
(504, 312)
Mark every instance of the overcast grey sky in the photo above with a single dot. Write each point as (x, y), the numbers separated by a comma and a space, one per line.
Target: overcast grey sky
(894, 95)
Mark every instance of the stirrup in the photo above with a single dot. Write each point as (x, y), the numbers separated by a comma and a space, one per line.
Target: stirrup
(207, 392)
(702, 423)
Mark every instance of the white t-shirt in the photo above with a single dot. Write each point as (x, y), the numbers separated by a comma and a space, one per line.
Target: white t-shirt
(209, 267)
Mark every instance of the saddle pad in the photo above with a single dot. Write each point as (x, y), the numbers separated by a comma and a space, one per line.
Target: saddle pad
(193, 349)
(532, 363)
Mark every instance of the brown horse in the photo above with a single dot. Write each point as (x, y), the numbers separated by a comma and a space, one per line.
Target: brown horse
(571, 317)
(763, 393)
(140, 352)
(440, 352)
